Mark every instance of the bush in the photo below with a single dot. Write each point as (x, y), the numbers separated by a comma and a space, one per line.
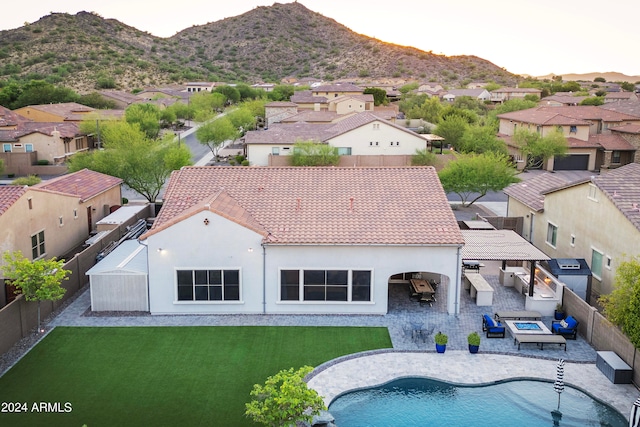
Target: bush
(423, 158)
(27, 180)
(441, 339)
(43, 162)
(473, 338)
(245, 163)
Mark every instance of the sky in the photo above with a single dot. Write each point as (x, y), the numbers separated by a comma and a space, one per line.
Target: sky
(532, 37)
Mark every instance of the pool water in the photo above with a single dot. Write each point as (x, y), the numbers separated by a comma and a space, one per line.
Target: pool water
(426, 402)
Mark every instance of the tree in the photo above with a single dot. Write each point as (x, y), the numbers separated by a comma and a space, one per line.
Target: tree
(451, 129)
(40, 92)
(145, 115)
(593, 100)
(379, 95)
(600, 79)
(205, 105)
(310, 153)
(281, 93)
(27, 180)
(539, 149)
(284, 399)
(38, 280)
(215, 132)
(95, 100)
(231, 94)
(1, 166)
(481, 139)
(423, 157)
(143, 164)
(622, 306)
(242, 119)
(477, 173)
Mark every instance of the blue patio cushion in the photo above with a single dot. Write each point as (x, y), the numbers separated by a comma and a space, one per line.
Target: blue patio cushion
(571, 322)
(491, 322)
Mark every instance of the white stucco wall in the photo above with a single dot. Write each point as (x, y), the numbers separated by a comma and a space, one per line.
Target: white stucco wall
(258, 154)
(223, 244)
(360, 140)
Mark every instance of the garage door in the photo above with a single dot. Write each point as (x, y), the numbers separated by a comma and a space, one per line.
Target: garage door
(574, 162)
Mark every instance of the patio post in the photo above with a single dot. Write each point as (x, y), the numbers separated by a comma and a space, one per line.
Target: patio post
(532, 277)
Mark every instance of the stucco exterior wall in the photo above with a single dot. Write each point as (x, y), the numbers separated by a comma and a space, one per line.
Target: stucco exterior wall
(596, 224)
(223, 244)
(64, 220)
(517, 209)
(369, 140)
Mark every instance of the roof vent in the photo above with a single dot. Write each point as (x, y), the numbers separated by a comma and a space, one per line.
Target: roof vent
(568, 264)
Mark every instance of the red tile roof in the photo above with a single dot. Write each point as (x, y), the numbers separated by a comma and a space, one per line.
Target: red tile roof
(566, 115)
(66, 129)
(85, 184)
(326, 205)
(612, 142)
(9, 194)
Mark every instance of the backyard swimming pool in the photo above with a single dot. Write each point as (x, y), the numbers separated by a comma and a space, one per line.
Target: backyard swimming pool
(420, 402)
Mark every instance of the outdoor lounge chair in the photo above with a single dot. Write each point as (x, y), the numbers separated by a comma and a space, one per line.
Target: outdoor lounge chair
(492, 327)
(568, 327)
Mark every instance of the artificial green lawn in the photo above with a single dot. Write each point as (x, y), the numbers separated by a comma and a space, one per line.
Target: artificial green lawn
(165, 376)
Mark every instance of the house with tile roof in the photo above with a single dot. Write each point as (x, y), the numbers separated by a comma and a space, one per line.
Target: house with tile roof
(620, 96)
(53, 217)
(335, 90)
(596, 218)
(561, 100)
(480, 94)
(361, 134)
(65, 112)
(298, 240)
(587, 129)
(503, 94)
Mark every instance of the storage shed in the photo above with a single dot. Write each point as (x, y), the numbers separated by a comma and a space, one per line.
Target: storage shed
(119, 282)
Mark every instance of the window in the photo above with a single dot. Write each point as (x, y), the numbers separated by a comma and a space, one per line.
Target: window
(592, 192)
(28, 148)
(376, 126)
(559, 129)
(552, 234)
(79, 144)
(344, 151)
(596, 264)
(6, 148)
(615, 156)
(37, 245)
(573, 129)
(208, 285)
(275, 151)
(325, 285)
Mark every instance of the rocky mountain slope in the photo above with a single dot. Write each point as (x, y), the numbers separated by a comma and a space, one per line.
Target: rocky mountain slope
(85, 51)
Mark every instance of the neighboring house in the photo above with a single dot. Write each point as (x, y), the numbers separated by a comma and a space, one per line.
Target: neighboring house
(429, 87)
(336, 89)
(54, 142)
(584, 127)
(479, 94)
(65, 112)
(631, 108)
(276, 111)
(121, 98)
(10, 120)
(346, 104)
(561, 100)
(53, 217)
(597, 219)
(305, 99)
(267, 87)
(507, 93)
(620, 96)
(362, 134)
(160, 94)
(200, 86)
(298, 240)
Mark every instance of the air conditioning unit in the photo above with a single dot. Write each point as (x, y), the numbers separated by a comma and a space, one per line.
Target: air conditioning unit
(568, 264)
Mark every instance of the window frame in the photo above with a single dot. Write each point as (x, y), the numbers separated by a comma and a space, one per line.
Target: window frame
(212, 287)
(302, 288)
(552, 240)
(38, 250)
(597, 273)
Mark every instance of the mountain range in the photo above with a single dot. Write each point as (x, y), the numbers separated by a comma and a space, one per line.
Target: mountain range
(85, 52)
